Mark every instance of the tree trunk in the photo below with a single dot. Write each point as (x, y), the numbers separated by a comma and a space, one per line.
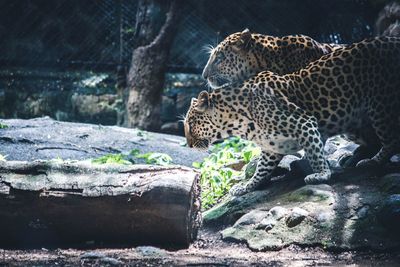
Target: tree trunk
(148, 22)
(147, 72)
(59, 204)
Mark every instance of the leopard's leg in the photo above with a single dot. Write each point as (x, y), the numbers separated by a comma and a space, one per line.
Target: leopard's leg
(311, 141)
(369, 145)
(360, 153)
(386, 126)
(267, 162)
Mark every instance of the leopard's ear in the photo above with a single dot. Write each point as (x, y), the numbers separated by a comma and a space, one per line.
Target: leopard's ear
(203, 101)
(244, 40)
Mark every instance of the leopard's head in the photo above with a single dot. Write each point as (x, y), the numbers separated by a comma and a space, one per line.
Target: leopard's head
(200, 127)
(232, 60)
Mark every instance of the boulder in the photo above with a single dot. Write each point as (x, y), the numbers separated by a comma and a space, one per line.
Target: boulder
(356, 211)
(296, 216)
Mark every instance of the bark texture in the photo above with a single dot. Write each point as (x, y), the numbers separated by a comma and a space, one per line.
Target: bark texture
(148, 66)
(48, 203)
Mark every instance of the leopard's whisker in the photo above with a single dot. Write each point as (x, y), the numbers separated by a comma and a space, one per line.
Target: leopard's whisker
(208, 49)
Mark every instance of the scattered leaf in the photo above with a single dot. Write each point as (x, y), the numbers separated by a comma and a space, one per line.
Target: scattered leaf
(156, 158)
(150, 158)
(3, 126)
(111, 158)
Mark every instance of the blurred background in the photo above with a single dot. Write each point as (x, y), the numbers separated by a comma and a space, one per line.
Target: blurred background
(69, 59)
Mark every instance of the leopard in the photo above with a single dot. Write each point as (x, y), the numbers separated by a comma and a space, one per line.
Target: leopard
(352, 89)
(244, 54)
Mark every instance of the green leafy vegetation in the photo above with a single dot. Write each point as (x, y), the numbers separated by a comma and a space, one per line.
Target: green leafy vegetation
(156, 158)
(3, 126)
(112, 158)
(131, 158)
(218, 173)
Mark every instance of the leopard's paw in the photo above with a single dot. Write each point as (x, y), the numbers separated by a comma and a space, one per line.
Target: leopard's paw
(367, 163)
(317, 178)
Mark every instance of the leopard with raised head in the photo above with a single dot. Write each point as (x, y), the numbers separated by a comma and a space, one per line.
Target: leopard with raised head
(243, 54)
(350, 90)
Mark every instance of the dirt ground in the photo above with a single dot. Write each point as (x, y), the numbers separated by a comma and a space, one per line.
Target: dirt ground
(207, 250)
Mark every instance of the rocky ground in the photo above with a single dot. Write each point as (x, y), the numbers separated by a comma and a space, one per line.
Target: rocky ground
(357, 210)
(352, 220)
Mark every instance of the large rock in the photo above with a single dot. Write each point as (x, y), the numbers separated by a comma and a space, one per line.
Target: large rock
(357, 210)
(44, 138)
(296, 216)
(342, 216)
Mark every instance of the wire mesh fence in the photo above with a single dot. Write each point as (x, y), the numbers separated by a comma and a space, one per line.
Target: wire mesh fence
(99, 34)
(61, 33)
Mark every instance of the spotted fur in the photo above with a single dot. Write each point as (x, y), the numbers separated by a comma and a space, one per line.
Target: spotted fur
(353, 89)
(244, 54)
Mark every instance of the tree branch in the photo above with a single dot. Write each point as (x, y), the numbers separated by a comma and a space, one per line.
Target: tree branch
(167, 31)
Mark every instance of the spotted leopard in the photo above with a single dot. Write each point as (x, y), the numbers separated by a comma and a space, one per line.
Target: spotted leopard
(346, 91)
(244, 54)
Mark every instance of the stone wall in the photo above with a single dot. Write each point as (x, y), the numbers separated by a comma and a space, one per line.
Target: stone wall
(86, 97)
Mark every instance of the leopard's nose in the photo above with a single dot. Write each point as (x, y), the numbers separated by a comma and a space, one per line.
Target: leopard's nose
(189, 143)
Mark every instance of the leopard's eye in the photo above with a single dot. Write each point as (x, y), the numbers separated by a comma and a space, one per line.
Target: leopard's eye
(219, 57)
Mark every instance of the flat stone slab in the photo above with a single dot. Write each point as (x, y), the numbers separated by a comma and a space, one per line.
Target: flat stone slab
(45, 138)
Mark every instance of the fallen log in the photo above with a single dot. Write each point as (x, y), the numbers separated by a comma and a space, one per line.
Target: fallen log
(49, 203)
